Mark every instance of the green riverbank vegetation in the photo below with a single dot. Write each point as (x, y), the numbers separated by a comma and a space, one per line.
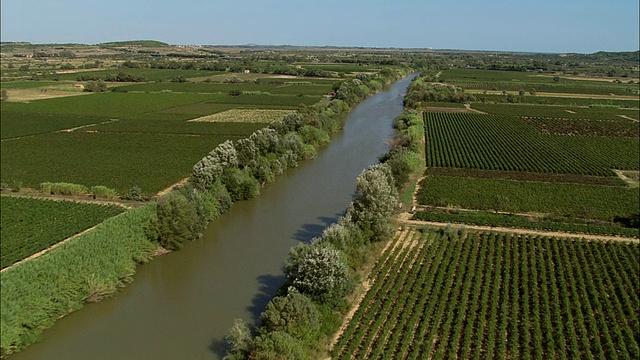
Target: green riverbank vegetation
(300, 320)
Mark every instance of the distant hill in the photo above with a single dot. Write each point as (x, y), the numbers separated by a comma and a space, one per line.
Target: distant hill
(604, 56)
(141, 43)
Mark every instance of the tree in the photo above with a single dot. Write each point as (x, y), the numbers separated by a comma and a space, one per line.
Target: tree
(239, 340)
(175, 221)
(319, 271)
(95, 86)
(374, 201)
(295, 314)
(4, 96)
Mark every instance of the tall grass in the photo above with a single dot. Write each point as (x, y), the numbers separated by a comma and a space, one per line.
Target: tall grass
(61, 188)
(101, 191)
(92, 266)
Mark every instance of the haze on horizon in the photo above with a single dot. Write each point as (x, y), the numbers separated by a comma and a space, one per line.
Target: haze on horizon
(581, 26)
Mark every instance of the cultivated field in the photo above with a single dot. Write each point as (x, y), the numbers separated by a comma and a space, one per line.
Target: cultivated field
(493, 295)
(32, 225)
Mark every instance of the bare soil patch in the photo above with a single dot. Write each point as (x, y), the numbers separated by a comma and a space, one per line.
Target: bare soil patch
(468, 107)
(631, 177)
(168, 190)
(46, 92)
(245, 115)
(571, 111)
(629, 118)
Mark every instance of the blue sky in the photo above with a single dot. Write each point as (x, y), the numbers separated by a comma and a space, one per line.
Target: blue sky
(583, 26)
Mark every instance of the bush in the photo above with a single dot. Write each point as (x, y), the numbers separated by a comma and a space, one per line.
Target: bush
(135, 194)
(62, 188)
(100, 191)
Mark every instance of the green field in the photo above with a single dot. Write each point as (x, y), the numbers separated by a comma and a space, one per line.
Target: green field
(491, 295)
(150, 74)
(518, 80)
(569, 112)
(571, 200)
(17, 124)
(478, 141)
(543, 223)
(152, 161)
(127, 139)
(292, 88)
(26, 84)
(556, 100)
(32, 225)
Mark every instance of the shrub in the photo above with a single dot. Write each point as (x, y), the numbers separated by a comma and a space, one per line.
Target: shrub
(135, 194)
(100, 191)
(62, 188)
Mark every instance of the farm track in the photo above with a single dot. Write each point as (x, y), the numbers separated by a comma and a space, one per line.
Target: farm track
(405, 218)
(167, 190)
(629, 118)
(128, 205)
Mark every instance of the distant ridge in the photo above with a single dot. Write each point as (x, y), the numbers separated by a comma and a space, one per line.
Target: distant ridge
(141, 43)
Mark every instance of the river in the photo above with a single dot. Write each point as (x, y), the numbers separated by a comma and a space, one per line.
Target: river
(180, 305)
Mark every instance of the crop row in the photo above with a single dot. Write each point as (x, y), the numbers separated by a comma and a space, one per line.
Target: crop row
(585, 127)
(31, 225)
(489, 295)
(466, 140)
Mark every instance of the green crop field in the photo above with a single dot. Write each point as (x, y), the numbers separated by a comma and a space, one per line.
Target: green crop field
(151, 161)
(517, 80)
(469, 140)
(557, 100)
(570, 112)
(16, 124)
(25, 84)
(491, 295)
(203, 87)
(345, 68)
(572, 200)
(586, 127)
(31, 225)
(541, 223)
(150, 74)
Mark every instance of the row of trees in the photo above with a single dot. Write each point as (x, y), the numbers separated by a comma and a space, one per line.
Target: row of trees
(319, 277)
(236, 171)
(321, 274)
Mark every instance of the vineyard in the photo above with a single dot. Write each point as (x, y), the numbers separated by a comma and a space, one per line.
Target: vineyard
(559, 199)
(492, 142)
(31, 225)
(497, 296)
(585, 127)
(573, 112)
